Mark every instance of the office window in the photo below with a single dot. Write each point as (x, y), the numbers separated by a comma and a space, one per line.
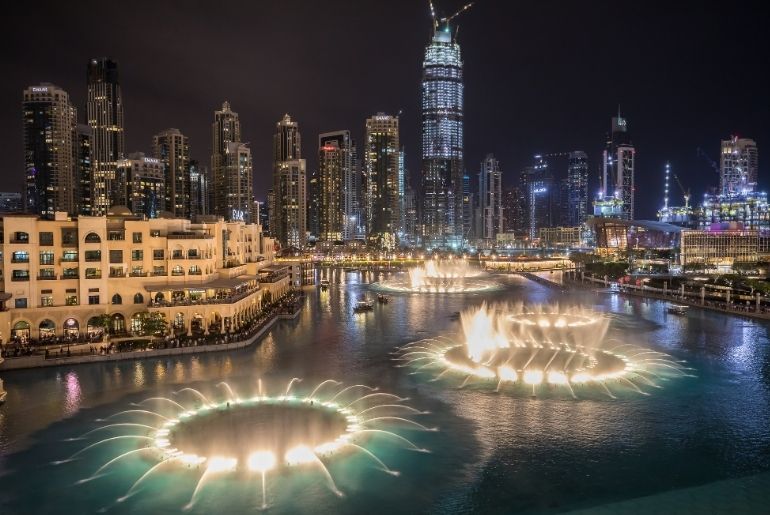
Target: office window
(46, 238)
(137, 255)
(21, 302)
(116, 256)
(93, 299)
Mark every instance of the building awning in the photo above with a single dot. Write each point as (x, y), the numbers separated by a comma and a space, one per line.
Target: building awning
(5, 296)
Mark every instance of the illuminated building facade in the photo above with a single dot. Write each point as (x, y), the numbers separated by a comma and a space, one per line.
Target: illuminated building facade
(616, 198)
(49, 127)
(199, 188)
(336, 165)
(239, 201)
(173, 150)
(490, 208)
(226, 129)
(722, 247)
(104, 113)
(576, 189)
(442, 142)
(381, 165)
(140, 185)
(541, 196)
(739, 165)
(288, 214)
(81, 147)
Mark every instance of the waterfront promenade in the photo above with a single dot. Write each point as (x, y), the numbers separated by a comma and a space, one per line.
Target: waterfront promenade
(287, 309)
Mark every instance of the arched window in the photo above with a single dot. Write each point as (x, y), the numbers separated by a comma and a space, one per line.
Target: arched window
(117, 299)
(138, 298)
(92, 237)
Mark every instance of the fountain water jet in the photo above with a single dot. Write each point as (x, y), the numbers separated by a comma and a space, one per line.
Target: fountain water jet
(440, 276)
(236, 435)
(539, 345)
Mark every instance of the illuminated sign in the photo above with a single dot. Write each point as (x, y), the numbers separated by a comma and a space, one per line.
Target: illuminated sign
(39, 89)
(540, 190)
(238, 215)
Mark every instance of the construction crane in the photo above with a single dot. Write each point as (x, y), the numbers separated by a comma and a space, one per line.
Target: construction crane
(700, 153)
(685, 193)
(446, 19)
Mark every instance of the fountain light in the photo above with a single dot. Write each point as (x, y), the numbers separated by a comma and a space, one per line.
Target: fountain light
(262, 433)
(440, 276)
(261, 461)
(560, 347)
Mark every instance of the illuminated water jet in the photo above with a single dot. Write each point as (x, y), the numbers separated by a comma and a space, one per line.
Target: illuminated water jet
(239, 437)
(440, 276)
(528, 348)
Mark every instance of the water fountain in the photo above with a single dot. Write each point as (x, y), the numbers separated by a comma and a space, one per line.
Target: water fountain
(528, 347)
(254, 435)
(440, 276)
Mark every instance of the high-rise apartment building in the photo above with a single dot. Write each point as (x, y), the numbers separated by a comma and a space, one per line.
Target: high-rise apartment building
(618, 170)
(288, 214)
(81, 148)
(199, 188)
(140, 185)
(442, 141)
(542, 195)
(226, 129)
(490, 207)
(49, 125)
(576, 189)
(381, 164)
(173, 150)
(335, 186)
(104, 113)
(239, 202)
(739, 165)
(514, 209)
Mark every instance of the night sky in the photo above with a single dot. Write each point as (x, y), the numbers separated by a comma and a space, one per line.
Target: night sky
(540, 77)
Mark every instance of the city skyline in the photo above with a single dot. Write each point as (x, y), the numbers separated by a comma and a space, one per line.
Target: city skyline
(669, 120)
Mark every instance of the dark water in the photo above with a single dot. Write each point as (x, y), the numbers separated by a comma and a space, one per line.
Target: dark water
(493, 454)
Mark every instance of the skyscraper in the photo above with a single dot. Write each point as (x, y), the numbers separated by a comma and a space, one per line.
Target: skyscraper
(442, 141)
(618, 169)
(541, 196)
(49, 127)
(140, 185)
(104, 112)
(173, 150)
(239, 201)
(288, 214)
(739, 163)
(382, 167)
(577, 188)
(199, 188)
(226, 129)
(335, 167)
(81, 147)
(490, 208)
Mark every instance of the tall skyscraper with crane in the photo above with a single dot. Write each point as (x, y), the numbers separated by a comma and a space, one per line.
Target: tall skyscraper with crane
(442, 137)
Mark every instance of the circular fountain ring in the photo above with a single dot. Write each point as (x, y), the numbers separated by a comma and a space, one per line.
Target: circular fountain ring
(266, 432)
(533, 364)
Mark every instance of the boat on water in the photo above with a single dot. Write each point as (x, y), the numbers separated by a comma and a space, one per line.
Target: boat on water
(382, 299)
(678, 309)
(324, 284)
(363, 306)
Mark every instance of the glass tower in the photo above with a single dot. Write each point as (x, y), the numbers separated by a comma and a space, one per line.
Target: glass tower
(442, 141)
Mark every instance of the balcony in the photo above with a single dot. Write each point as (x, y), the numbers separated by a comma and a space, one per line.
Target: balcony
(46, 277)
(273, 277)
(71, 275)
(97, 275)
(189, 236)
(117, 274)
(195, 272)
(20, 259)
(159, 273)
(93, 259)
(138, 274)
(68, 259)
(19, 278)
(176, 273)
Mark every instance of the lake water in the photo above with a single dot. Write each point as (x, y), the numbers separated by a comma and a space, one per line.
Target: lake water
(697, 442)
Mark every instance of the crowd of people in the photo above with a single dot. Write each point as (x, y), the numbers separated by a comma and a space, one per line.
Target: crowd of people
(61, 347)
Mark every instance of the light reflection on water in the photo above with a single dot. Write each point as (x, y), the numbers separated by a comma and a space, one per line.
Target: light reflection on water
(503, 454)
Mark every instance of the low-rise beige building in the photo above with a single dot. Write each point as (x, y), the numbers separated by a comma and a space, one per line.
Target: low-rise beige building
(57, 277)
